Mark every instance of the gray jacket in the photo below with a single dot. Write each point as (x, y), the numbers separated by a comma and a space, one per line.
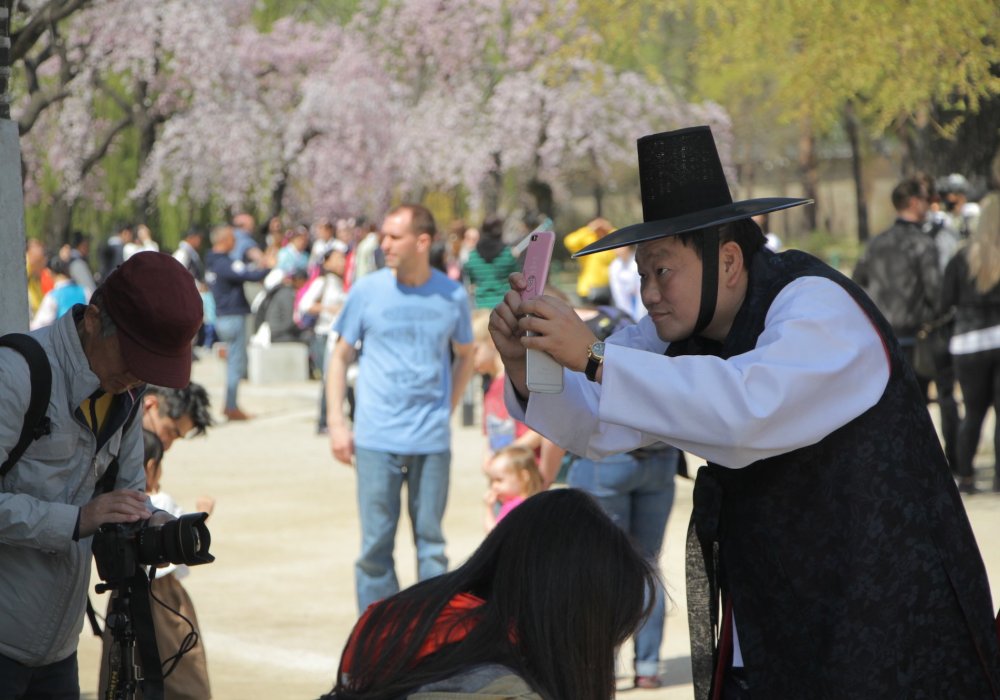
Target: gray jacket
(485, 682)
(44, 574)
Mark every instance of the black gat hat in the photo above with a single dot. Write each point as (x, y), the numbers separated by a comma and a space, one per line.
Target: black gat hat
(684, 189)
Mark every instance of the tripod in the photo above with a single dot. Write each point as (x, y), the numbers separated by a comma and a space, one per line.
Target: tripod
(122, 672)
(129, 600)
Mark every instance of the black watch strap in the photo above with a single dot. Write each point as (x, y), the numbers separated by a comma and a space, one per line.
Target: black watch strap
(594, 361)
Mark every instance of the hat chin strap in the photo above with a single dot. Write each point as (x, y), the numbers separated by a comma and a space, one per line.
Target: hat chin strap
(709, 279)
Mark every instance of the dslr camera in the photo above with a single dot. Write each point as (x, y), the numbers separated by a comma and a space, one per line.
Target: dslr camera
(120, 549)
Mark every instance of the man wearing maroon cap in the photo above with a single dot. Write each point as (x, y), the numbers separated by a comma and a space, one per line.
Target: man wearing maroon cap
(88, 470)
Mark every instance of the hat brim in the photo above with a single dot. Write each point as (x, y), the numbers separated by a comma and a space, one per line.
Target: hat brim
(716, 216)
(171, 371)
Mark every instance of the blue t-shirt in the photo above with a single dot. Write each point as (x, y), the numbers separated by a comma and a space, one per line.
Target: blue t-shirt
(403, 389)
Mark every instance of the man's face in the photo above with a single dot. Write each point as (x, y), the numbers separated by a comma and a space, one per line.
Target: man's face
(399, 243)
(225, 242)
(670, 275)
(105, 356)
(166, 428)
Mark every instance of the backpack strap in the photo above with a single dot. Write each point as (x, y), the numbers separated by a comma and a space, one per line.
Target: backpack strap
(36, 423)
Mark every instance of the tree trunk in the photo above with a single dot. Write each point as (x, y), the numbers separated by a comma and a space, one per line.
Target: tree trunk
(60, 222)
(861, 200)
(492, 188)
(809, 172)
(5, 12)
(598, 200)
(541, 192)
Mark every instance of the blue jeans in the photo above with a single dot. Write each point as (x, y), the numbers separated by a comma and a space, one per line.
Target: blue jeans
(380, 480)
(232, 330)
(58, 681)
(637, 493)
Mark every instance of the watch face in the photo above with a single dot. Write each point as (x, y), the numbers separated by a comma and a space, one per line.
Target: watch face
(597, 349)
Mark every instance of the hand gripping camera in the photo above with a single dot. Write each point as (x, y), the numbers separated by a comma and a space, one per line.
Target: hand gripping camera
(120, 549)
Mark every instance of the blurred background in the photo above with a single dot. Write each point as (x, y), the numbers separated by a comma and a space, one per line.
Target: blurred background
(180, 113)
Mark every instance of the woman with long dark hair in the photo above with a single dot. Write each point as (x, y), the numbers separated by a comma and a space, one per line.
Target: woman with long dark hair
(972, 288)
(489, 265)
(536, 612)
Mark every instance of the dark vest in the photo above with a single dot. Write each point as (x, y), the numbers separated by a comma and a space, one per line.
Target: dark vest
(850, 564)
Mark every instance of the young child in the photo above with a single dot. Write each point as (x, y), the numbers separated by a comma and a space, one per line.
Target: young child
(189, 680)
(514, 476)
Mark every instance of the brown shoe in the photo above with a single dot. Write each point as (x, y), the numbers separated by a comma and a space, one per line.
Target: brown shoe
(648, 682)
(236, 414)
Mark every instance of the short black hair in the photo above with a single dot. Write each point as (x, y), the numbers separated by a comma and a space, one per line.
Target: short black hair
(744, 232)
(192, 401)
(910, 187)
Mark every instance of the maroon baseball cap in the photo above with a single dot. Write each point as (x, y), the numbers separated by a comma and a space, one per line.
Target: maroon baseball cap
(157, 310)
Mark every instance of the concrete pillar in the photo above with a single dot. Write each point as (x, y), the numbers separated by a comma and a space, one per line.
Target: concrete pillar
(13, 277)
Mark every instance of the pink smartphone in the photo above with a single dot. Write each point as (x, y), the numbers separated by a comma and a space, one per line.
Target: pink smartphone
(544, 374)
(537, 258)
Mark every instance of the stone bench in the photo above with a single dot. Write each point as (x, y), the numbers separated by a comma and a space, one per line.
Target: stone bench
(277, 362)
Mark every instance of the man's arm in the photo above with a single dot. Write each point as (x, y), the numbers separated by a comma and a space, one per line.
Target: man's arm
(461, 370)
(341, 435)
(818, 364)
(128, 502)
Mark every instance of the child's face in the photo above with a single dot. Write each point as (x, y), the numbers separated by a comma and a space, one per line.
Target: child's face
(505, 481)
(153, 471)
(485, 358)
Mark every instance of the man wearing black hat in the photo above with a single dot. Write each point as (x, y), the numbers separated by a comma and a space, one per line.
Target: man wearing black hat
(829, 554)
(88, 470)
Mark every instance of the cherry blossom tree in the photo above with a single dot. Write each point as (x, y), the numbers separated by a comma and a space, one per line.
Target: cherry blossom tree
(313, 119)
(117, 66)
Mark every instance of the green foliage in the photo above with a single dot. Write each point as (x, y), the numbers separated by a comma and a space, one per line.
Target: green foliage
(894, 58)
(267, 12)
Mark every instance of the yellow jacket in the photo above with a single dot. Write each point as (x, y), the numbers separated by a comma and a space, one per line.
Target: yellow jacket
(593, 268)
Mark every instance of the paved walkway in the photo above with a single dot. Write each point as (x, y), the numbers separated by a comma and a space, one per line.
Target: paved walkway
(276, 606)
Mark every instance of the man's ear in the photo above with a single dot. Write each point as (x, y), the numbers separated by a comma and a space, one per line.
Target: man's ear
(424, 241)
(730, 262)
(150, 402)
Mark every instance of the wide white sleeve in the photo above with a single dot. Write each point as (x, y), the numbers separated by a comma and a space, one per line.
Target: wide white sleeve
(818, 364)
(570, 419)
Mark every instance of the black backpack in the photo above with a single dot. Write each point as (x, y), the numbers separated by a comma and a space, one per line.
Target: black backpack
(36, 423)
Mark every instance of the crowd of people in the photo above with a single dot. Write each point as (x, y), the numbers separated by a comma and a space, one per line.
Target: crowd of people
(933, 274)
(688, 332)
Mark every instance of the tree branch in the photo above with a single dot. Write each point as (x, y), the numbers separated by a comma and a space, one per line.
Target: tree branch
(39, 102)
(98, 153)
(27, 36)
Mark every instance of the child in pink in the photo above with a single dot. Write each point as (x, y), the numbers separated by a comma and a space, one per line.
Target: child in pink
(513, 475)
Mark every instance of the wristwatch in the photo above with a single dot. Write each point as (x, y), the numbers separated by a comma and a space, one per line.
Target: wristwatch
(595, 356)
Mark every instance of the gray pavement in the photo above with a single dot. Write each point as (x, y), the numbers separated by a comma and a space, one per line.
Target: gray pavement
(278, 603)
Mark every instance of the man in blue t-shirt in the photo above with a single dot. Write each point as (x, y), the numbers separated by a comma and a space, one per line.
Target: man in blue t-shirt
(407, 316)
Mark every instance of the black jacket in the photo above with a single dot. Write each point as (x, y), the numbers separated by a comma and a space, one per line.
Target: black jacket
(851, 565)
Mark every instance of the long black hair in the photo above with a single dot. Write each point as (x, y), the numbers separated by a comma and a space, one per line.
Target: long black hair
(563, 587)
(490, 243)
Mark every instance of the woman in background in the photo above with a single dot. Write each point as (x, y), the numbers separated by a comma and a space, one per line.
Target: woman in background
(972, 288)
